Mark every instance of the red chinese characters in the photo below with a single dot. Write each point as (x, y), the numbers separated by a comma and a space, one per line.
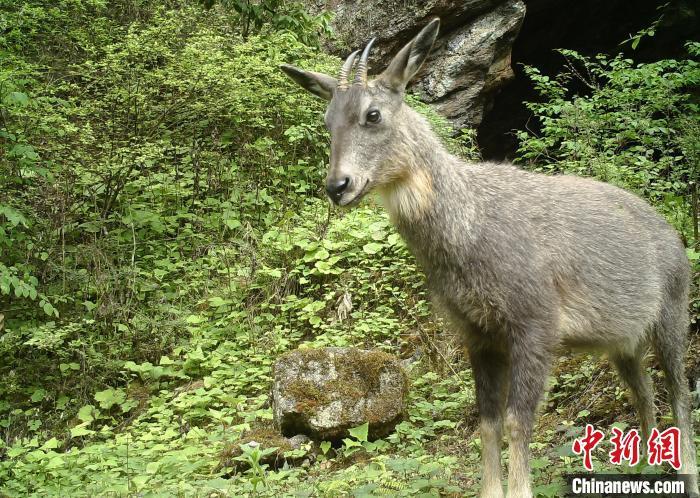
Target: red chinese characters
(665, 447)
(587, 444)
(662, 447)
(625, 446)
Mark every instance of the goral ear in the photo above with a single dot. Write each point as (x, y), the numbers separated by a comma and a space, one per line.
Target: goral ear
(319, 84)
(409, 60)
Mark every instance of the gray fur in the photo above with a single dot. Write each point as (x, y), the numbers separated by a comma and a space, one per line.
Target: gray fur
(521, 264)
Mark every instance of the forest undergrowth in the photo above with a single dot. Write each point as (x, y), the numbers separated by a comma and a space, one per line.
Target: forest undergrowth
(164, 237)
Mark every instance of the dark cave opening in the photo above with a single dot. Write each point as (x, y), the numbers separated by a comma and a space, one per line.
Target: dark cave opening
(590, 27)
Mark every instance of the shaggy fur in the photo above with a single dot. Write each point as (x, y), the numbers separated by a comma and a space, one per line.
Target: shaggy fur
(521, 263)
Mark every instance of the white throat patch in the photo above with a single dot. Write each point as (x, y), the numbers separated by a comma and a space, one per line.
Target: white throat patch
(408, 198)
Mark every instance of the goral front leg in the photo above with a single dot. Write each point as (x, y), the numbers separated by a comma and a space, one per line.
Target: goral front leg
(529, 362)
(490, 369)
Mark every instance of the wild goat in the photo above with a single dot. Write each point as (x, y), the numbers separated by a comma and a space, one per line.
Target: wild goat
(520, 263)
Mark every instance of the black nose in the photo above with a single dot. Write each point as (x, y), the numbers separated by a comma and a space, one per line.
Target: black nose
(336, 187)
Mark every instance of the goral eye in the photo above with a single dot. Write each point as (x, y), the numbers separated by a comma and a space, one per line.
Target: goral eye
(373, 116)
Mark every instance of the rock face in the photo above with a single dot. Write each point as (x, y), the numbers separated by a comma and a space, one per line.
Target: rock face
(471, 59)
(324, 392)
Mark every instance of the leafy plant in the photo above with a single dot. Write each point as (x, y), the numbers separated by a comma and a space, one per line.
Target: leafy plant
(164, 237)
(634, 125)
(628, 127)
(252, 456)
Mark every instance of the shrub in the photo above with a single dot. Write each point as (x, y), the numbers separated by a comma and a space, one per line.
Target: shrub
(634, 125)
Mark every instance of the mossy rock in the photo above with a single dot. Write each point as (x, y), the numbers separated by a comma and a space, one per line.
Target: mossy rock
(324, 392)
(264, 436)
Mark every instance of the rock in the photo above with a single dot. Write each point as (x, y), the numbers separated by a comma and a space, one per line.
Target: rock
(471, 64)
(324, 392)
(298, 440)
(264, 436)
(471, 59)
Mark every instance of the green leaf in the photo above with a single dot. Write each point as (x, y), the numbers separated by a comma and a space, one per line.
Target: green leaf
(49, 310)
(195, 319)
(16, 451)
(85, 413)
(56, 462)
(320, 253)
(38, 395)
(51, 444)
(360, 432)
(80, 430)
(272, 272)
(19, 98)
(232, 224)
(140, 481)
(216, 301)
(128, 405)
(109, 398)
(372, 248)
(394, 239)
(444, 423)
(165, 360)
(351, 443)
(64, 367)
(13, 216)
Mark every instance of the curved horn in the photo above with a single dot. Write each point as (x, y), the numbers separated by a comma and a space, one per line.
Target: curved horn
(345, 70)
(361, 72)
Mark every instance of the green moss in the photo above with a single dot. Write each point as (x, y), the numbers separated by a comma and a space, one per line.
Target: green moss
(265, 435)
(358, 376)
(365, 366)
(309, 397)
(307, 354)
(268, 437)
(346, 388)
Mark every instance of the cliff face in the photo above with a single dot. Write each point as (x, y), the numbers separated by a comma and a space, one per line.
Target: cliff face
(471, 60)
(474, 75)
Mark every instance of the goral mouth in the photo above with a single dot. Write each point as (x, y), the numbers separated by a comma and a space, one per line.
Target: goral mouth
(359, 195)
